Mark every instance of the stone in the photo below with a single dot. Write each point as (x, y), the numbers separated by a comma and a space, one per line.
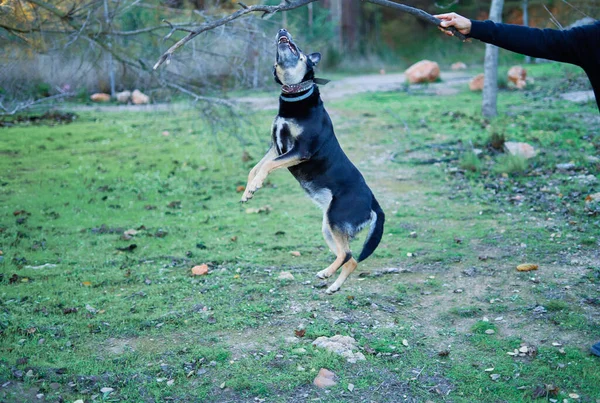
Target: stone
(579, 97)
(341, 345)
(567, 166)
(523, 149)
(123, 97)
(285, 275)
(476, 83)
(324, 379)
(424, 71)
(517, 75)
(200, 270)
(458, 66)
(139, 98)
(100, 97)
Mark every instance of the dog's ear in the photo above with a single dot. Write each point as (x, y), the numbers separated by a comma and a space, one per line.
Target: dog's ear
(315, 58)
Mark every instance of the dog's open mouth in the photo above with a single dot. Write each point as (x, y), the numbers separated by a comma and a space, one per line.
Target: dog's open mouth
(291, 46)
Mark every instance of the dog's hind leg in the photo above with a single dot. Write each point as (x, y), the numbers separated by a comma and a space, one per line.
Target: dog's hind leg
(328, 236)
(342, 249)
(347, 269)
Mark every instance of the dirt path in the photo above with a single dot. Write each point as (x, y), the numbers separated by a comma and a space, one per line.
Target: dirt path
(334, 90)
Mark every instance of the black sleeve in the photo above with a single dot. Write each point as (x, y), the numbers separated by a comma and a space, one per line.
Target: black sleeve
(567, 46)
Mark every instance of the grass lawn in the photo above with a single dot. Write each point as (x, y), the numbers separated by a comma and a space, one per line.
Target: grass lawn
(89, 312)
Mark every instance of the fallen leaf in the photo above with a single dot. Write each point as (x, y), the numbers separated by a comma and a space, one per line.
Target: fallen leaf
(86, 283)
(351, 387)
(300, 333)
(495, 377)
(234, 238)
(265, 209)
(200, 270)
(170, 382)
(106, 390)
(490, 331)
(67, 311)
(405, 343)
(573, 395)
(240, 188)
(527, 267)
(444, 353)
(295, 253)
(130, 232)
(222, 386)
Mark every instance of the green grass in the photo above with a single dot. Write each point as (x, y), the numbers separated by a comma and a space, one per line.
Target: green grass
(139, 323)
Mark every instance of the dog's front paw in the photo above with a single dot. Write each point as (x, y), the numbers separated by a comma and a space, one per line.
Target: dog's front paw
(332, 289)
(323, 274)
(247, 196)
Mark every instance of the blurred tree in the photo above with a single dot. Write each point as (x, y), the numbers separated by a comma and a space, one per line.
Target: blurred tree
(490, 67)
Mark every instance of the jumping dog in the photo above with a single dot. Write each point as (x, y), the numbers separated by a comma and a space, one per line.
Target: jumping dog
(304, 142)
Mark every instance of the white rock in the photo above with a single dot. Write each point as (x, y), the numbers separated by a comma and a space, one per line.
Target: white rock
(285, 275)
(123, 97)
(579, 97)
(523, 149)
(341, 345)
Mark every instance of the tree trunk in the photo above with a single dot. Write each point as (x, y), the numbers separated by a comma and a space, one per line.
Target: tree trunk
(490, 85)
(526, 23)
(111, 65)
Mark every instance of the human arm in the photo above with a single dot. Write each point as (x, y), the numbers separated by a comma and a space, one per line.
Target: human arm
(560, 45)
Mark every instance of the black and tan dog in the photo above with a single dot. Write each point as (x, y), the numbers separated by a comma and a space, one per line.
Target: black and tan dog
(304, 142)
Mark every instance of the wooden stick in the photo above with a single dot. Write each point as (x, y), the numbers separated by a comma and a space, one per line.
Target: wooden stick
(420, 14)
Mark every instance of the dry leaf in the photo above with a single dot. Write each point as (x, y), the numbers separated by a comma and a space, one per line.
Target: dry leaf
(405, 343)
(240, 188)
(200, 270)
(300, 333)
(86, 283)
(295, 253)
(527, 267)
(573, 395)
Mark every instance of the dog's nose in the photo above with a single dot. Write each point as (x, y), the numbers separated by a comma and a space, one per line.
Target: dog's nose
(282, 31)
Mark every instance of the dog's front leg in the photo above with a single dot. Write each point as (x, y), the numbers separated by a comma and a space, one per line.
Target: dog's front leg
(270, 155)
(291, 158)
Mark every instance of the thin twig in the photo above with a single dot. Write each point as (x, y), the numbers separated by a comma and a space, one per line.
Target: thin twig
(29, 104)
(266, 10)
(553, 19)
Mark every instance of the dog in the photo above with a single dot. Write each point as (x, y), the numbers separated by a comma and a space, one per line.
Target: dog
(304, 142)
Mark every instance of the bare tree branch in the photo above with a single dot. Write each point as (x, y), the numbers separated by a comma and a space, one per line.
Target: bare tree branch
(266, 10)
(5, 111)
(285, 6)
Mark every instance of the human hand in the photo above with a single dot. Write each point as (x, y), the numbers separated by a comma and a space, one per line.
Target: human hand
(462, 24)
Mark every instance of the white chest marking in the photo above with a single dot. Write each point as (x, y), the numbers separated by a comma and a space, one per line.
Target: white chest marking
(284, 142)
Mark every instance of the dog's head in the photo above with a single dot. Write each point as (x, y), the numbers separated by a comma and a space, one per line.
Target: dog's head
(292, 66)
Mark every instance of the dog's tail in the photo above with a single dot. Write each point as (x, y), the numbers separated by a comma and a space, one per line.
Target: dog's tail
(375, 231)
